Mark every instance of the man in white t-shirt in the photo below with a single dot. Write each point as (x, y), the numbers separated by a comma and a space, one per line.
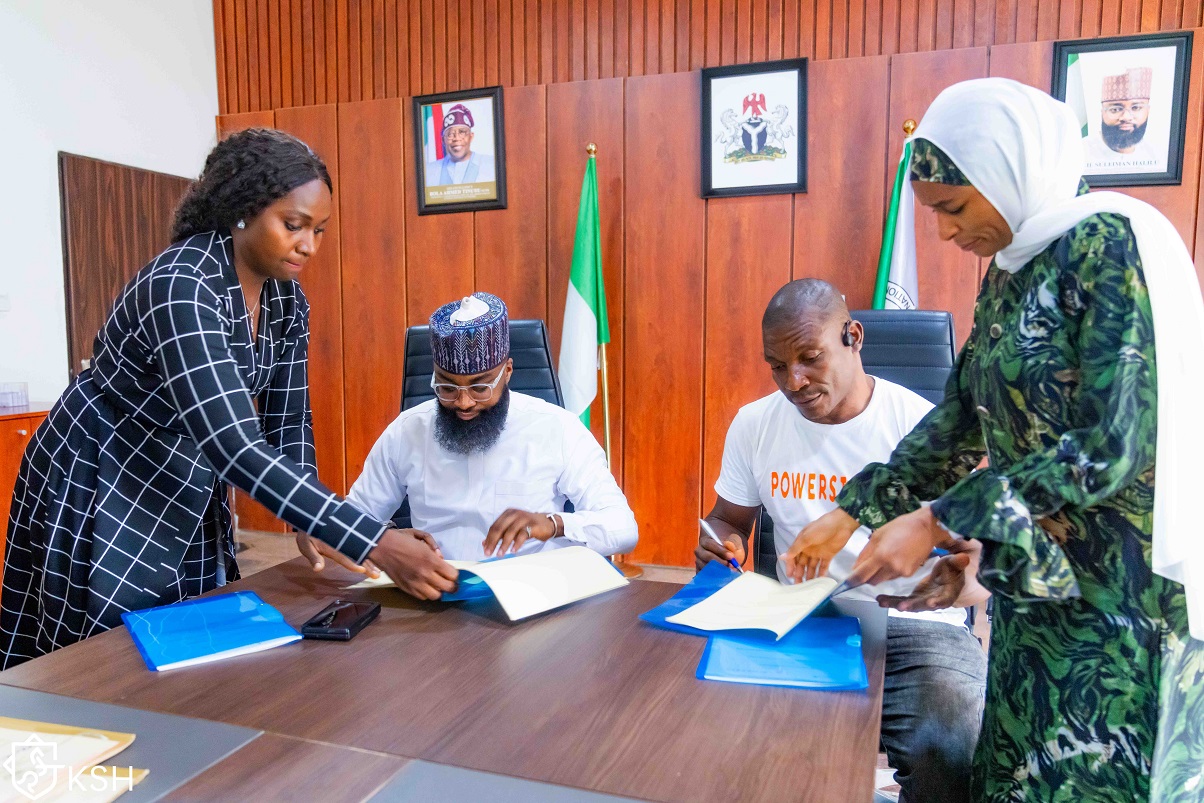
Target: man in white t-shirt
(792, 452)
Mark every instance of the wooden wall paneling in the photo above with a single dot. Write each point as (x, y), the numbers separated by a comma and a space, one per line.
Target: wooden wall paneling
(227, 124)
(264, 53)
(511, 244)
(518, 43)
(963, 24)
(1090, 18)
(250, 43)
(220, 53)
(492, 58)
(984, 23)
(1109, 17)
(823, 29)
(791, 13)
(663, 319)
(684, 40)
(331, 51)
(414, 47)
(838, 233)
(322, 282)
(350, 67)
(1027, 62)
(1048, 19)
(948, 276)
(373, 182)
(749, 252)
(275, 57)
(279, 53)
(712, 12)
(438, 250)
(1130, 17)
(401, 52)
(1179, 202)
(580, 113)
(622, 49)
(855, 35)
(380, 73)
(440, 54)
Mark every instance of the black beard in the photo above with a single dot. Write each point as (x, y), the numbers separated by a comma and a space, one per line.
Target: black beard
(1116, 139)
(475, 435)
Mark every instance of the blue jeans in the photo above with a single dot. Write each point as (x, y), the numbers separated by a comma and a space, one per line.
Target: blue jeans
(932, 701)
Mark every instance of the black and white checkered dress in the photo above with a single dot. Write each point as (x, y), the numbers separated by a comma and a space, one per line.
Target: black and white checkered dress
(121, 499)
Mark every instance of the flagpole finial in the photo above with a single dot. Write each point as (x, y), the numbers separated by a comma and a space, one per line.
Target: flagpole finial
(909, 127)
(592, 150)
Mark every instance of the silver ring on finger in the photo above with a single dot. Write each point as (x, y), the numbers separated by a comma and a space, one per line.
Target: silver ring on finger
(528, 530)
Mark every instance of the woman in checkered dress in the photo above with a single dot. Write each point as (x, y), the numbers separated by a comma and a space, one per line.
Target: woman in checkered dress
(121, 501)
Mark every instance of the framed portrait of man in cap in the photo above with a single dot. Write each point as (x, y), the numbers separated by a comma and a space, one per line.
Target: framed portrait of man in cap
(459, 150)
(754, 129)
(1129, 94)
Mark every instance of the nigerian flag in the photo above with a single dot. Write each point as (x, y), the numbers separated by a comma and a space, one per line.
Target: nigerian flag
(585, 324)
(897, 286)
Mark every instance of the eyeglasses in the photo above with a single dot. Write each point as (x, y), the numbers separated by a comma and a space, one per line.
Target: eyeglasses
(479, 393)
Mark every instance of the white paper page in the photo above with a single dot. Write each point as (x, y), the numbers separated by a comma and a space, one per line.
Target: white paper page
(541, 581)
(234, 653)
(755, 602)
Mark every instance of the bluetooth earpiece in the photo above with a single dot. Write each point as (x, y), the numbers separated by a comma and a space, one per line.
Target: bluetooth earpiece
(846, 336)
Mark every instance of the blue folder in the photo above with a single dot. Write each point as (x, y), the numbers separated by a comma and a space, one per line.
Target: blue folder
(713, 577)
(820, 653)
(207, 629)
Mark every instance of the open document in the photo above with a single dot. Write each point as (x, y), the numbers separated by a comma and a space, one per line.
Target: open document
(525, 585)
(755, 602)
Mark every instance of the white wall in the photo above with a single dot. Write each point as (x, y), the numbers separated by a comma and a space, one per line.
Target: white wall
(127, 81)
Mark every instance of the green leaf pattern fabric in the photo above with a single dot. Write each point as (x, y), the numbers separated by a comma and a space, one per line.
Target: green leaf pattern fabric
(1095, 690)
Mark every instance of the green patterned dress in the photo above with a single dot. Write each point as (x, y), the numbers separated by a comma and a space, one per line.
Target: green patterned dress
(1095, 691)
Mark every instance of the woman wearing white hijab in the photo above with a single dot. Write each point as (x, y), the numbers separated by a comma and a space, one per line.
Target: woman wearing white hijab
(1095, 688)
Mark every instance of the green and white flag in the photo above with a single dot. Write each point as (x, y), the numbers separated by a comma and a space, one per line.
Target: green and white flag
(585, 323)
(897, 286)
(1075, 98)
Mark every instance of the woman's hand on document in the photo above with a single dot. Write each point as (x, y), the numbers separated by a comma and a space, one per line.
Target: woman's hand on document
(819, 542)
(412, 559)
(318, 552)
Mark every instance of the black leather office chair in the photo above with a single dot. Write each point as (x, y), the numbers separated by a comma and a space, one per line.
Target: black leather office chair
(912, 348)
(533, 374)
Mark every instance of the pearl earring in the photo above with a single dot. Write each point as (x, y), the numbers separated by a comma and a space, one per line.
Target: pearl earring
(242, 224)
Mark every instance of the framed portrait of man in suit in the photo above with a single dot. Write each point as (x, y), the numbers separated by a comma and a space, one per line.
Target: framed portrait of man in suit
(459, 151)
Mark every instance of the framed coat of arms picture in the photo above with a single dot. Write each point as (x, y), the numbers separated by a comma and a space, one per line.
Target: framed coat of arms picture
(754, 129)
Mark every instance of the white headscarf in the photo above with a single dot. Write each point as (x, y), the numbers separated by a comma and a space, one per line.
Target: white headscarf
(1023, 151)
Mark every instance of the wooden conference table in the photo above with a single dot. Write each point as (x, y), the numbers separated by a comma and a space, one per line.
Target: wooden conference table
(587, 697)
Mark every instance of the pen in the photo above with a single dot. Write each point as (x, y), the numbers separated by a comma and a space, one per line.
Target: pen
(707, 529)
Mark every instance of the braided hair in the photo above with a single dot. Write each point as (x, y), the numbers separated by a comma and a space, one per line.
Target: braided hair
(244, 174)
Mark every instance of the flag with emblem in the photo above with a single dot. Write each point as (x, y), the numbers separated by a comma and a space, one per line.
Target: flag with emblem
(585, 323)
(897, 286)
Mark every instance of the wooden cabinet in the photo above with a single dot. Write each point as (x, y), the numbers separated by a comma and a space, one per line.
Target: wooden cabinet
(16, 428)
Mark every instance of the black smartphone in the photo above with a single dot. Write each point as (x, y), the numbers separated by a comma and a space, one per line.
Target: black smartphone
(340, 620)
